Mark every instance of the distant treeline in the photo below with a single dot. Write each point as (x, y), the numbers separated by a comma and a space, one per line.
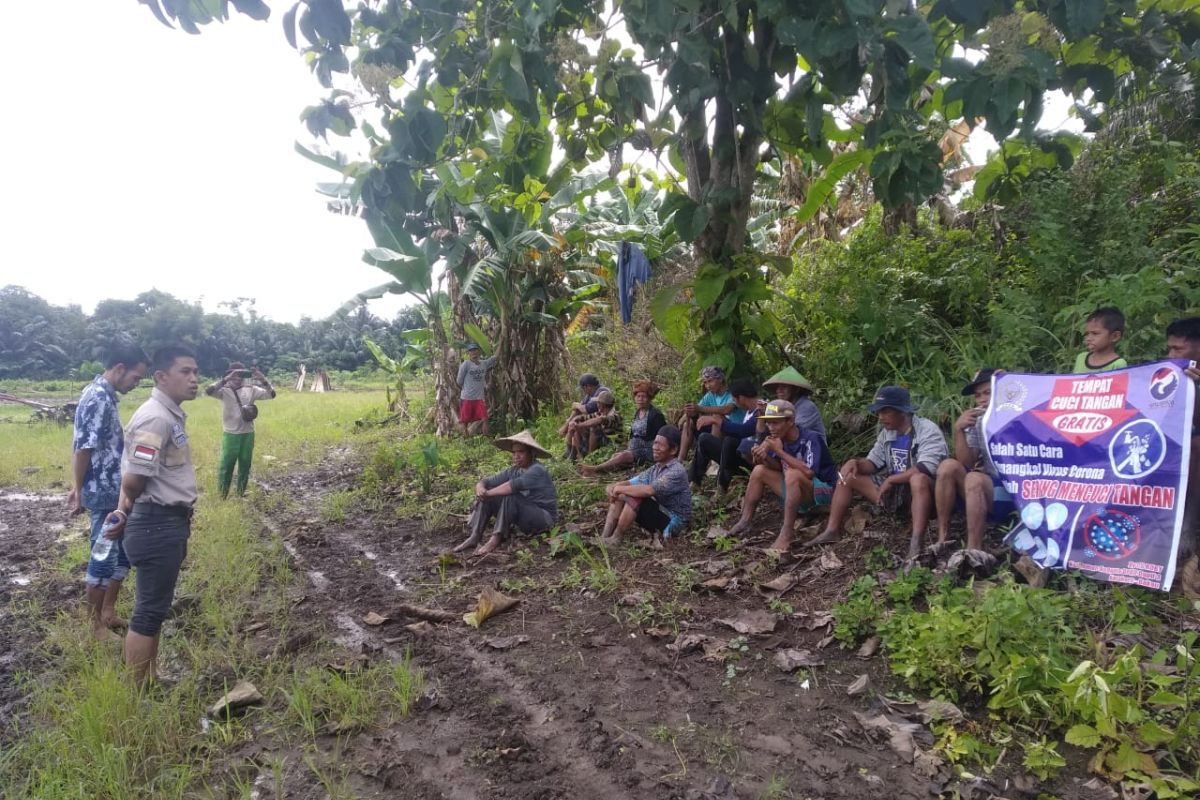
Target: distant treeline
(40, 341)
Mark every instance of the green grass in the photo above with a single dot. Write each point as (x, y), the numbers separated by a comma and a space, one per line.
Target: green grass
(324, 701)
(294, 430)
(89, 732)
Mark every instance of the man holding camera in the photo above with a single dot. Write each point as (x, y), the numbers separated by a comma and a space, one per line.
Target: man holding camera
(238, 391)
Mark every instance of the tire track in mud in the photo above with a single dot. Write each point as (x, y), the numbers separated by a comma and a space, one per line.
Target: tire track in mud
(526, 723)
(589, 706)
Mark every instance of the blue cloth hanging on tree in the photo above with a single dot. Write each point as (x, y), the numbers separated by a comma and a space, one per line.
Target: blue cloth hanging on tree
(632, 267)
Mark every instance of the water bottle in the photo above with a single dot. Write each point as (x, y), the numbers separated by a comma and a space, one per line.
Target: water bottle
(104, 545)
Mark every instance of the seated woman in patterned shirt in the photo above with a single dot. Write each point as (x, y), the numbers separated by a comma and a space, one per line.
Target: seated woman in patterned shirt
(647, 419)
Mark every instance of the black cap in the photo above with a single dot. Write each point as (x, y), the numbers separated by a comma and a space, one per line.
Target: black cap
(588, 379)
(474, 346)
(671, 434)
(983, 376)
(896, 397)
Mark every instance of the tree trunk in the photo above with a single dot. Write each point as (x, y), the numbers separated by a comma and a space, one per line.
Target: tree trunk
(445, 389)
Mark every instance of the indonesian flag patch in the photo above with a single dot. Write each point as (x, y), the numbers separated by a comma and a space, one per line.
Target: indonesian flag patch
(144, 453)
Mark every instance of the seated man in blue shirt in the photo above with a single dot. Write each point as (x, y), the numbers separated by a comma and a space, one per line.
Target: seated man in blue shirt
(702, 416)
(724, 448)
(793, 463)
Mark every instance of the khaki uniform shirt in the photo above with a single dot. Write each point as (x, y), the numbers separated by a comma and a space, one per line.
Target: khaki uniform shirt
(156, 446)
(231, 405)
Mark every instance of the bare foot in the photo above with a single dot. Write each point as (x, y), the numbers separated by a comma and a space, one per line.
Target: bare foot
(102, 634)
(610, 541)
(914, 548)
(114, 622)
(587, 470)
(656, 542)
(739, 527)
(470, 541)
(487, 547)
(782, 544)
(828, 537)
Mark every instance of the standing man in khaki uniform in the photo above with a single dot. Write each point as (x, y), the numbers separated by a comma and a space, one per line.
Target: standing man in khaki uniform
(158, 492)
(238, 392)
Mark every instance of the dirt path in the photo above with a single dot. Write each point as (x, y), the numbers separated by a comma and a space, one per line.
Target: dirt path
(33, 527)
(587, 704)
(579, 692)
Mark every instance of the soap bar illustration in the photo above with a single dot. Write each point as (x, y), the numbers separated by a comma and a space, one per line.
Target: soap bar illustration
(1033, 515)
(1056, 516)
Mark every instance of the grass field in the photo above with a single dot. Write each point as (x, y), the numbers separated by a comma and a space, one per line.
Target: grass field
(90, 733)
(294, 429)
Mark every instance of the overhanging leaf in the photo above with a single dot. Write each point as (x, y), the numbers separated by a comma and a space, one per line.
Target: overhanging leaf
(820, 190)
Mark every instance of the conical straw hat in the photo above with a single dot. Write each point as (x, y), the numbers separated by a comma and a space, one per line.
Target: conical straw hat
(525, 438)
(788, 376)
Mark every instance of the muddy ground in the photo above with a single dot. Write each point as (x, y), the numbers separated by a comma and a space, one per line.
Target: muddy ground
(637, 692)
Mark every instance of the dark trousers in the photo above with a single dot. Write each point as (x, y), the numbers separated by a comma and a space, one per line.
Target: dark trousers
(510, 510)
(155, 540)
(710, 448)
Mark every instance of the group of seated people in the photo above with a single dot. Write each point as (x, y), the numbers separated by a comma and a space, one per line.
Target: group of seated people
(780, 444)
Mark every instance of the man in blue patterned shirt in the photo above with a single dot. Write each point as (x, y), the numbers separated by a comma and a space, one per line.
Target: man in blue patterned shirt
(98, 444)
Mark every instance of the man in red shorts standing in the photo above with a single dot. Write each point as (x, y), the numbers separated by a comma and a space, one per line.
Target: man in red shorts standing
(472, 382)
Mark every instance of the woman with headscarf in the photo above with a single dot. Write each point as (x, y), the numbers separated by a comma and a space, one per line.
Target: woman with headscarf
(642, 429)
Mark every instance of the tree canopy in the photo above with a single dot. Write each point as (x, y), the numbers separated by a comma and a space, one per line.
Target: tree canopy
(40, 340)
(717, 90)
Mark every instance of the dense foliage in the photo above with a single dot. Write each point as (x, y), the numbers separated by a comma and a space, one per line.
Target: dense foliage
(1004, 287)
(40, 340)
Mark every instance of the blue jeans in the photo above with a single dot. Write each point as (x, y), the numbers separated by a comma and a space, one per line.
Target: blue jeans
(113, 568)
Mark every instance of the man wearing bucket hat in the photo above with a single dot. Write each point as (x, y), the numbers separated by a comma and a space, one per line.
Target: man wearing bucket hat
(472, 384)
(521, 496)
(659, 500)
(716, 403)
(794, 464)
(788, 384)
(899, 471)
(590, 431)
(970, 473)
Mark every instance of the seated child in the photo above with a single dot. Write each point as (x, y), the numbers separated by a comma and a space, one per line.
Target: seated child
(970, 474)
(793, 463)
(588, 431)
(899, 471)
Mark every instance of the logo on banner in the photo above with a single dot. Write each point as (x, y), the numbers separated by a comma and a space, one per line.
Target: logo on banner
(1137, 449)
(1163, 383)
(1013, 397)
(1080, 409)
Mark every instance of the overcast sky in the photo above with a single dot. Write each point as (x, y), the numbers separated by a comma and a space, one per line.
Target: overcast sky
(139, 157)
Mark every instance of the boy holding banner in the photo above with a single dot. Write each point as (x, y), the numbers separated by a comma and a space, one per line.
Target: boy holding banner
(971, 474)
(1183, 342)
(898, 472)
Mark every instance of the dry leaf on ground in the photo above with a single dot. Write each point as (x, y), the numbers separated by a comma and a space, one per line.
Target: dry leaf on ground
(752, 622)
(490, 603)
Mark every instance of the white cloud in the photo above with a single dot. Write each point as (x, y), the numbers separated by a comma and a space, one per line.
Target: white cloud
(139, 157)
